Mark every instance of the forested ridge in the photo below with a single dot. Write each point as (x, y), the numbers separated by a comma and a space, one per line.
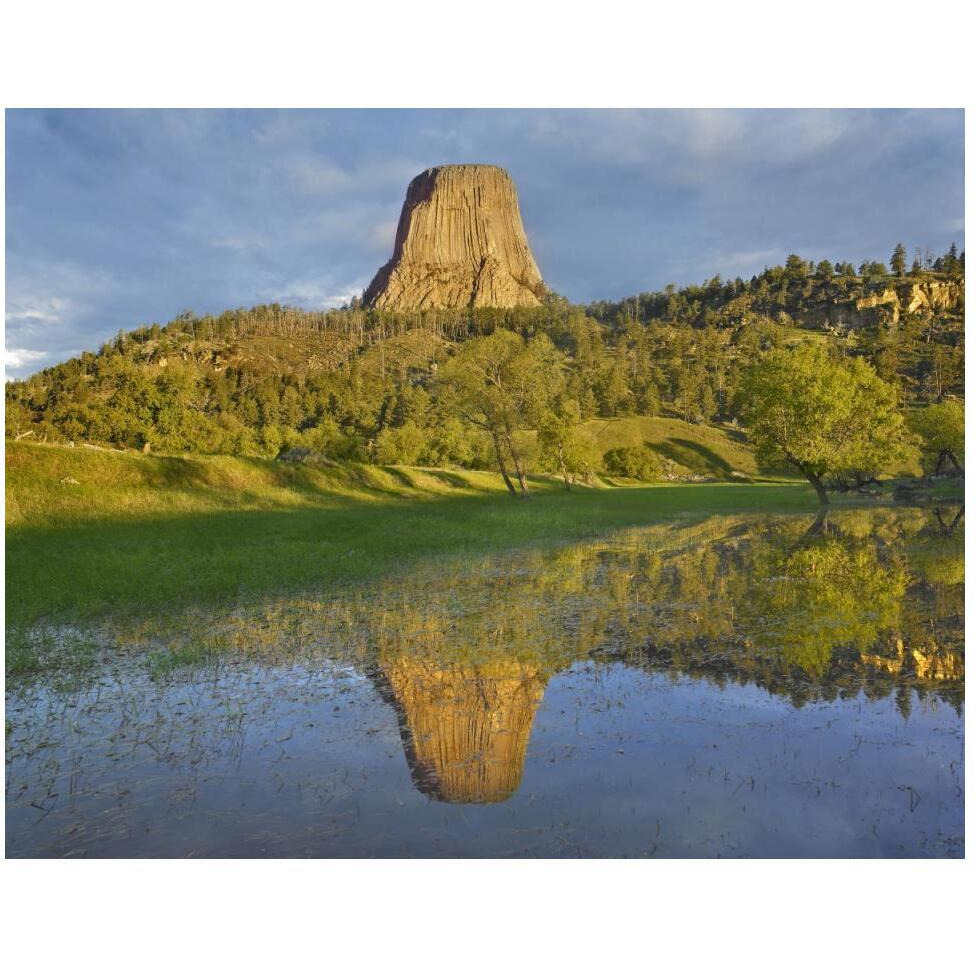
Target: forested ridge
(366, 385)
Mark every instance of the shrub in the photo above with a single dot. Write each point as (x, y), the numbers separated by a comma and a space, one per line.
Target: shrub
(636, 461)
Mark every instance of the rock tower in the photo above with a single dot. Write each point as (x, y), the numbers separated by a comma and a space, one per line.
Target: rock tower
(460, 244)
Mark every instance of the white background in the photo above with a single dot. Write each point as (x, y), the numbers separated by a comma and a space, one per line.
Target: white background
(466, 917)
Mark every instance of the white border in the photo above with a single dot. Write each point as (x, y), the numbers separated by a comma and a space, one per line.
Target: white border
(486, 917)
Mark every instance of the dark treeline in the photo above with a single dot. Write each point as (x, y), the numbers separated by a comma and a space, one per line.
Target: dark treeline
(356, 384)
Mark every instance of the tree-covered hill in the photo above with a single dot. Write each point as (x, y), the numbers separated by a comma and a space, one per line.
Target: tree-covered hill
(360, 385)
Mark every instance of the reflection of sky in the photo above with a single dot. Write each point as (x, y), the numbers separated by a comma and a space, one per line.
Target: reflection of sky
(116, 218)
(620, 763)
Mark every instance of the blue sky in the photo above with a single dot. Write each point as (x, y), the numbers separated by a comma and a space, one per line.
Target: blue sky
(117, 218)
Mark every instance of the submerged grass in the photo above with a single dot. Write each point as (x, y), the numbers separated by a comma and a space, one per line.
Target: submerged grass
(159, 534)
(166, 661)
(34, 651)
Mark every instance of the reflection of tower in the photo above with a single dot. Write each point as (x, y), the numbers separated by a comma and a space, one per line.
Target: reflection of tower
(465, 727)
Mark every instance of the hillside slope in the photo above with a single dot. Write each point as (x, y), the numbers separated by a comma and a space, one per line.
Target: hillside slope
(699, 449)
(363, 386)
(54, 485)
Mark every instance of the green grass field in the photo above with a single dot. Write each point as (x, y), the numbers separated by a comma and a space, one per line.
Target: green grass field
(96, 533)
(700, 449)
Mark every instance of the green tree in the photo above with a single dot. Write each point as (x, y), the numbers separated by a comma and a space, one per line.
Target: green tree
(898, 261)
(796, 268)
(501, 384)
(871, 269)
(400, 445)
(633, 461)
(821, 416)
(941, 431)
(825, 271)
(563, 443)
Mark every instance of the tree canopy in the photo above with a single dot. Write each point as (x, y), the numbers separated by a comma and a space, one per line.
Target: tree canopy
(941, 431)
(502, 384)
(362, 385)
(820, 415)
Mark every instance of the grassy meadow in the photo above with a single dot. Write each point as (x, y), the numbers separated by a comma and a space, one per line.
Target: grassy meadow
(93, 533)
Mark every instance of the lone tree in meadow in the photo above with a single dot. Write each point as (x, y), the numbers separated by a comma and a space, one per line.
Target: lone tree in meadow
(821, 416)
(941, 431)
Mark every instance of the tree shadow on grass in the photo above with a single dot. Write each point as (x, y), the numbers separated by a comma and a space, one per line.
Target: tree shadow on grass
(452, 479)
(697, 457)
(400, 475)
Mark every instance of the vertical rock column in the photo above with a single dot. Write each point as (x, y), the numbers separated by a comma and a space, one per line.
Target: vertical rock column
(460, 244)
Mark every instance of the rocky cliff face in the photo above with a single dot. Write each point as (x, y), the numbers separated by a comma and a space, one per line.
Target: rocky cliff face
(460, 244)
(887, 303)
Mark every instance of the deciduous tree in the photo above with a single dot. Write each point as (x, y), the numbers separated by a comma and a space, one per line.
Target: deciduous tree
(821, 416)
(941, 431)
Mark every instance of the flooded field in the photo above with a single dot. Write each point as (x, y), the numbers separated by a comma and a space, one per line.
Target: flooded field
(754, 686)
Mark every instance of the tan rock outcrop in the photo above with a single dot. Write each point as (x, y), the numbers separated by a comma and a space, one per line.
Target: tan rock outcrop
(932, 296)
(886, 303)
(887, 297)
(925, 298)
(460, 244)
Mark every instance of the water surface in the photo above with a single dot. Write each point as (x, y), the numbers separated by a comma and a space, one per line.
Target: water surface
(753, 686)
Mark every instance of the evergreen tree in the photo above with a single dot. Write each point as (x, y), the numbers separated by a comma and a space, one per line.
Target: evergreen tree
(898, 261)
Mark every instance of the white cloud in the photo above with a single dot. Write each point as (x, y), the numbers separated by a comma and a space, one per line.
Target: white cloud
(317, 176)
(46, 308)
(312, 294)
(243, 241)
(33, 308)
(17, 359)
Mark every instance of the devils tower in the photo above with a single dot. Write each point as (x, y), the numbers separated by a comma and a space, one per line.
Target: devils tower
(460, 244)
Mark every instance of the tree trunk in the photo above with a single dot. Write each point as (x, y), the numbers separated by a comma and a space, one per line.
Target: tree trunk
(563, 468)
(948, 530)
(947, 455)
(520, 474)
(820, 524)
(501, 460)
(815, 480)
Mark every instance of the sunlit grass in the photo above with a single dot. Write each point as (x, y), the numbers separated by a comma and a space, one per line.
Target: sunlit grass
(150, 533)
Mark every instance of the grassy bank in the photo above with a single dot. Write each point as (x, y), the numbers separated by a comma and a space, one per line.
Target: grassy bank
(701, 449)
(94, 533)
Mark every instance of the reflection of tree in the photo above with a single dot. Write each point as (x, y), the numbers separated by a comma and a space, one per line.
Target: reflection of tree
(828, 592)
(866, 602)
(465, 727)
(871, 602)
(948, 525)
